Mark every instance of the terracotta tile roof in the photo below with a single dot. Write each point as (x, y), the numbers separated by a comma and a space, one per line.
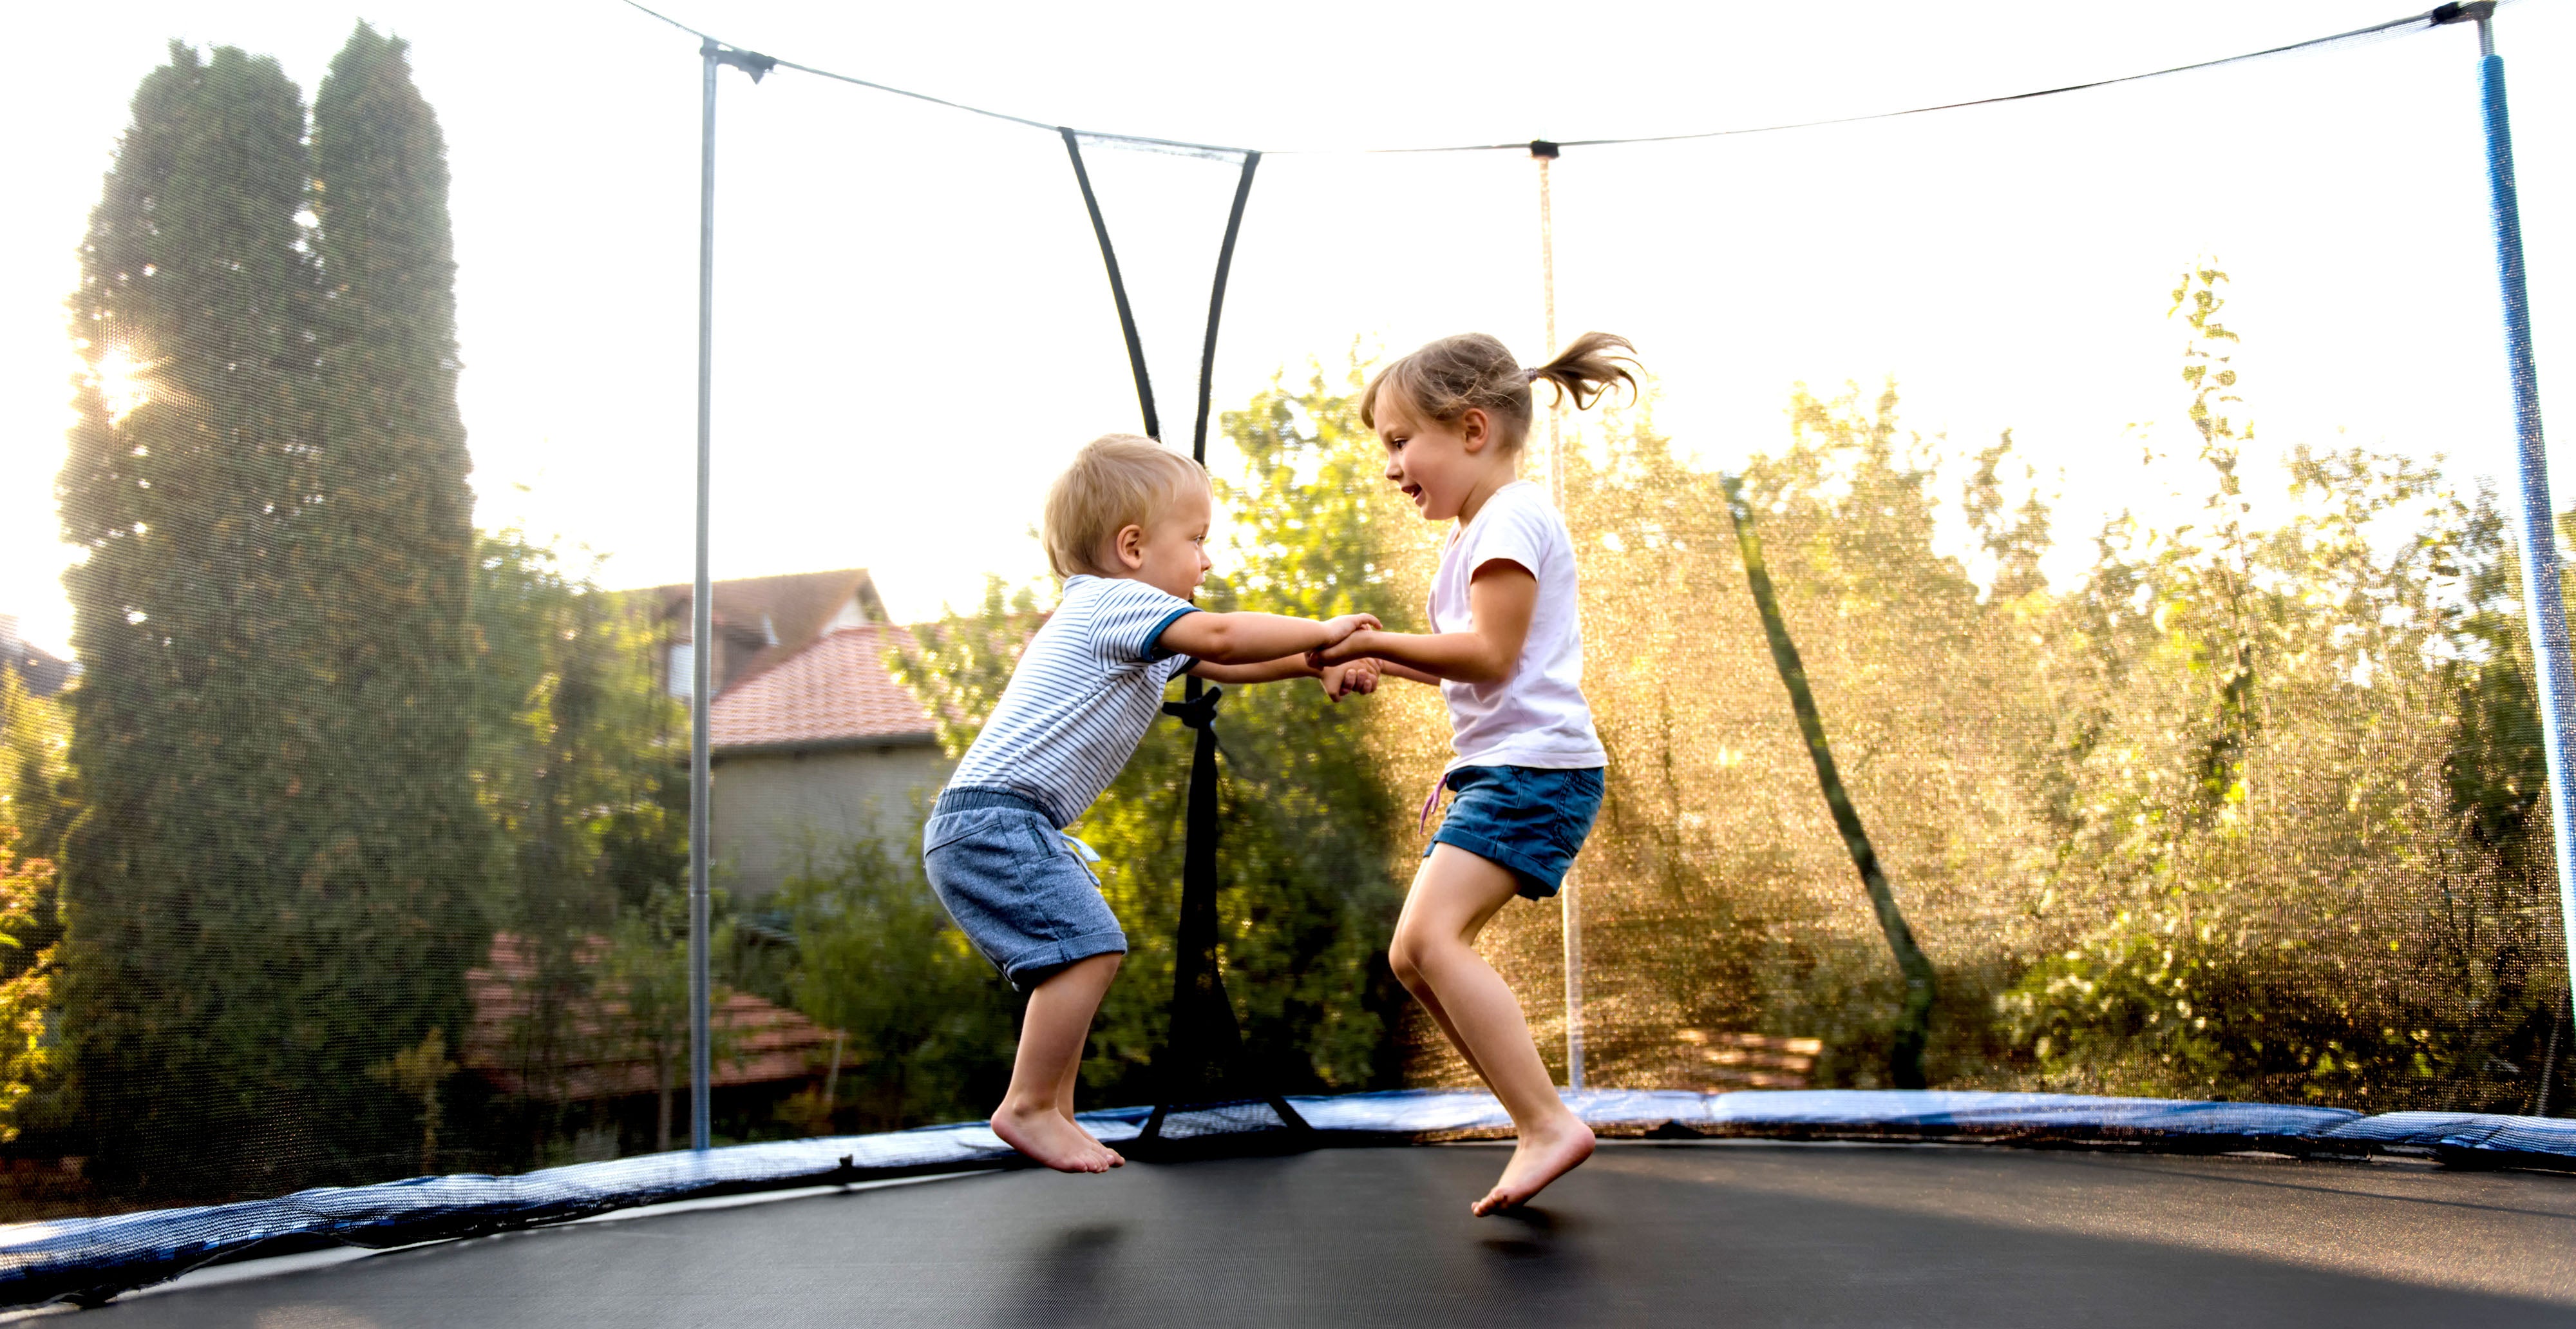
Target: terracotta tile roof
(757, 1042)
(834, 691)
(792, 608)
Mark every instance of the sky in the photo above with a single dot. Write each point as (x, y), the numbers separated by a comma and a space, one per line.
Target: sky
(913, 328)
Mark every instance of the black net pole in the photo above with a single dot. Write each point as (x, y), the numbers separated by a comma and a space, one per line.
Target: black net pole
(1117, 288)
(1202, 1058)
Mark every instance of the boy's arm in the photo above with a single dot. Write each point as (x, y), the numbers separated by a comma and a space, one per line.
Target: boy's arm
(1267, 671)
(1339, 680)
(1500, 599)
(1257, 639)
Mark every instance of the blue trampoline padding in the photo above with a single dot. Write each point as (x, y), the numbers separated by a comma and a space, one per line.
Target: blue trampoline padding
(2503, 1141)
(94, 1258)
(1913, 1113)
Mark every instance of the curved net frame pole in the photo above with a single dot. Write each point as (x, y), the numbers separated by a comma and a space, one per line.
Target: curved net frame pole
(1569, 898)
(712, 56)
(2540, 564)
(1914, 1020)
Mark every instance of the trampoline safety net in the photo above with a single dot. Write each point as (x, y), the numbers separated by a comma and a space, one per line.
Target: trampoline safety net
(2097, 510)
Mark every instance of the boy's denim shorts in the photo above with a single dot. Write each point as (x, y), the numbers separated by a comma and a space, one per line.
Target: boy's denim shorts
(1015, 886)
(1530, 820)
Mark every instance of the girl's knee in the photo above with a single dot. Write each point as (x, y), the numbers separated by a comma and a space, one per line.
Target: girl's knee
(1399, 957)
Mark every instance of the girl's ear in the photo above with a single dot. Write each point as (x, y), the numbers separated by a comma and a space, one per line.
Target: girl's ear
(1475, 429)
(1129, 546)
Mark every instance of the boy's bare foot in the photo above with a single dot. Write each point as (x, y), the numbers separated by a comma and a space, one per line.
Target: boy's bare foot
(1050, 1137)
(1116, 1159)
(1543, 1155)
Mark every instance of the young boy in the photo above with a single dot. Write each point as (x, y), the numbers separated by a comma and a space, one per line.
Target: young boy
(1126, 527)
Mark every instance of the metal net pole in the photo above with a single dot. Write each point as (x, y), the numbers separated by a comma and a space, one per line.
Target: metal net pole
(702, 626)
(1569, 899)
(2540, 565)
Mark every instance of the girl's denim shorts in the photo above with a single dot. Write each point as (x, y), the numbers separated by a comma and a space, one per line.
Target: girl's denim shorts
(1015, 886)
(1529, 820)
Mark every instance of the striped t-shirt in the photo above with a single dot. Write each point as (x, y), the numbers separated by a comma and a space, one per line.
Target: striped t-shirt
(1085, 691)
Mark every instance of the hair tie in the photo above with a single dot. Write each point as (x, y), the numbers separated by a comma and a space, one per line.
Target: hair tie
(1532, 375)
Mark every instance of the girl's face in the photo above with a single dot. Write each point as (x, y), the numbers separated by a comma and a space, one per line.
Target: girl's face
(1445, 467)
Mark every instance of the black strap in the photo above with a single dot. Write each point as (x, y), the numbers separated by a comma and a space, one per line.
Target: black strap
(1118, 288)
(1216, 304)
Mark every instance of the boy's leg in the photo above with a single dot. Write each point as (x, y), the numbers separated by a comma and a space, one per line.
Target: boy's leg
(1064, 1103)
(1035, 1117)
(1453, 897)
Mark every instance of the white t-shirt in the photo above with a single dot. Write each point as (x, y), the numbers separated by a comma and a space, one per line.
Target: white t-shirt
(1536, 716)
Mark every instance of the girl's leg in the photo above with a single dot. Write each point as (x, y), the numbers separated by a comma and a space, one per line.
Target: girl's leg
(1453, 896)
(1400, 959)
(1036, 1116)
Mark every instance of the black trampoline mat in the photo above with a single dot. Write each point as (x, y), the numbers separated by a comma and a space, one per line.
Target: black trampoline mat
(1732, 1234)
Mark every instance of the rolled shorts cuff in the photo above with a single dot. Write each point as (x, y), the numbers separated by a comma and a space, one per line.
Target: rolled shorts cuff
(1040, 963)
(1538, 881)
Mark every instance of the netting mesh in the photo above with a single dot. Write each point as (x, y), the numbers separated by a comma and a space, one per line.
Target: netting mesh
(2125, 464)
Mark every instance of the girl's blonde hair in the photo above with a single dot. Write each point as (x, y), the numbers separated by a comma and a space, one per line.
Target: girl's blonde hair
(1116, 481)
(1472, 371)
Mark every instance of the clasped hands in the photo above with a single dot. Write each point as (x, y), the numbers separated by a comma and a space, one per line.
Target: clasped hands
(1343, 676)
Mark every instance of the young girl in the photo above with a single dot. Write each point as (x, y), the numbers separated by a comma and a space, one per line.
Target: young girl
(1506, 648)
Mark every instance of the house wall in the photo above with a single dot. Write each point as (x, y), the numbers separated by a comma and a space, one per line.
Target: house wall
(774, 812)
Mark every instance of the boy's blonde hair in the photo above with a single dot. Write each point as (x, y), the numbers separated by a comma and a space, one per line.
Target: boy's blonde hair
(1472, 371)
(1116, 481)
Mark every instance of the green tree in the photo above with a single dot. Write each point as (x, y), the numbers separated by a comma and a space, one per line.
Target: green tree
(192, 932)
(573, 745)
(387, 558)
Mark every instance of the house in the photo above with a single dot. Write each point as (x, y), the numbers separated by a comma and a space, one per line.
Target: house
(814, 751)
(758, 621)
(40, 672)
(635, 1071)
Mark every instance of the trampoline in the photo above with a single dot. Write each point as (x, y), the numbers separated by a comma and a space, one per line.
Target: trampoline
(1837, 1113)
(1737, 1232)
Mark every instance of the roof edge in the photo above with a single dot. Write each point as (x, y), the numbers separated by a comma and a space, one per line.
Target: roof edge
(924, 738)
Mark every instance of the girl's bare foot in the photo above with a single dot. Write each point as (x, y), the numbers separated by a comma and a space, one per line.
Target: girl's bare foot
(1543, 1155)
(1050, 1137)
(1116, 1159)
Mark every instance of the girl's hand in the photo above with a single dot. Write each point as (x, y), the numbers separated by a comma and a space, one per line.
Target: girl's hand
(1344, 650)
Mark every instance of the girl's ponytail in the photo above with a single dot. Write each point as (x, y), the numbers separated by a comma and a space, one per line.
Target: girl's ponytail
(1472, 371)
(1587, 367)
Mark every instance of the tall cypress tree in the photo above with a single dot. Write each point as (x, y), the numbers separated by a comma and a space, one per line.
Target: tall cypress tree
(389, 554)
(188, 468)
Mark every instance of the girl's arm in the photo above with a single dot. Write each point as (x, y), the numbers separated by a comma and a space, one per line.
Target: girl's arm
(1500, 599)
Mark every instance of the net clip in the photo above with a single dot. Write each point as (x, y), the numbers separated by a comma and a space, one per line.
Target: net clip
(749, 62)
(2463, 11)
(1542, 149)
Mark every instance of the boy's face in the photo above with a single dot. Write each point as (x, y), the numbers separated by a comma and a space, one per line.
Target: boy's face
(1437, 464)
(1170, 553)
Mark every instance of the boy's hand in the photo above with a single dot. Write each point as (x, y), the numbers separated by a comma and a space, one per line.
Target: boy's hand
(1337, 630)
(1341, 680)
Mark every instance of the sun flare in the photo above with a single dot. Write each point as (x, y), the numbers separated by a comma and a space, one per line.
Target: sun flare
(123, 382)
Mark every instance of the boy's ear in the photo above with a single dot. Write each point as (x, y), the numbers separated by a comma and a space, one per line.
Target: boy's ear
(1128, 546)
